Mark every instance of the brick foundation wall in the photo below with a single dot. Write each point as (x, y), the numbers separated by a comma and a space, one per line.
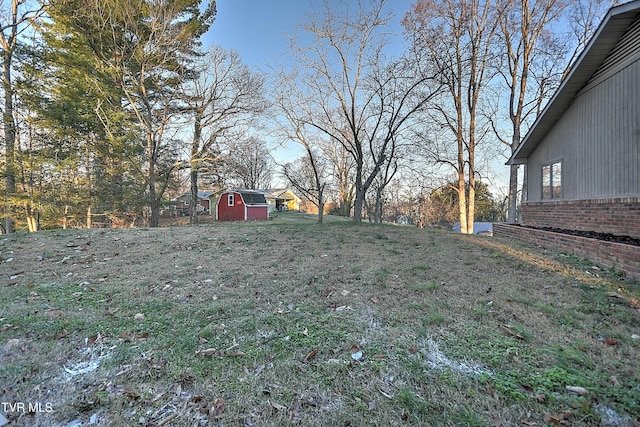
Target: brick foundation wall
(618, 256)
(620, 217)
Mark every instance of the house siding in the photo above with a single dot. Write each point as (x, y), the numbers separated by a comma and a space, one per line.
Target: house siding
(591, 125)
(600, 129)
(624, 51)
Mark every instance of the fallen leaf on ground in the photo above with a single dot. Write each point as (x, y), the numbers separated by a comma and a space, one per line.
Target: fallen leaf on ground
(578, 390)
(60, 335)
(218, 407)
(125, 335)
(385, 394)
(557, 419)
(209, 352)
(277, 406)
(54, 314)
(131, 393)
(615, 295)
(92, 340)
(511, 332)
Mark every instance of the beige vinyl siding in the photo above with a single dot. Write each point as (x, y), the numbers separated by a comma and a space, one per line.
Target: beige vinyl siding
(626, 50)
(597, 139)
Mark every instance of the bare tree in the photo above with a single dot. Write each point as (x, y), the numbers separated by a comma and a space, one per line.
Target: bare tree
(532, 54)
(248, 163)
(226, 97)
(342, 168)
(456, 37)
(583, 19)
(16, 16)
(306, 175)
(347, 99)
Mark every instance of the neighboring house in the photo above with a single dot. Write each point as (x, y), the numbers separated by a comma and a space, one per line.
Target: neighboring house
(583, 151)
(241, 205)
(281, 200)
(183, 203)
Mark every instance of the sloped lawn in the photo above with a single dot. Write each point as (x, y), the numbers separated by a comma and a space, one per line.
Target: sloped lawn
(287, 322)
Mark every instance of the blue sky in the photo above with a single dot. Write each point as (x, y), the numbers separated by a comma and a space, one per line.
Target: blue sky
(260, 29)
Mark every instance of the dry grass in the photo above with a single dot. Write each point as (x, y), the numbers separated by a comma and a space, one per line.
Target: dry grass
(252, 324)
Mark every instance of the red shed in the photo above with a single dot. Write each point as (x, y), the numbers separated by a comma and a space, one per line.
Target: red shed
(241, 205)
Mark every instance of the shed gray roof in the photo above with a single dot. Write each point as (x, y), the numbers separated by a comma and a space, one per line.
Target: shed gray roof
(611, 29)
(253, 198)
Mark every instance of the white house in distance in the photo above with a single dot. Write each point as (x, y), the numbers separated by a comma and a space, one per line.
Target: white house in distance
(583, 152)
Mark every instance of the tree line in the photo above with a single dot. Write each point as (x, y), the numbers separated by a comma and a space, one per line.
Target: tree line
(110, 105)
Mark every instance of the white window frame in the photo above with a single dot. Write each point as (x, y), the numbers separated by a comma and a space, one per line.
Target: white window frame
(230, 199)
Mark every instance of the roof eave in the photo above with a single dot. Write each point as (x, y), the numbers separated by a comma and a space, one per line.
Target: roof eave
(582, 70)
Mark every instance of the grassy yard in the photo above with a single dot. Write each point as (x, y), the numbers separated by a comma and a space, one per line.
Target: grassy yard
(285, 322)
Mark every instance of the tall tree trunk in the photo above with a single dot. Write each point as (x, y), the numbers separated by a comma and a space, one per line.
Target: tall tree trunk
(64, 217)
(31, 215)
(359, 201)
(525, 186)
(462, 202)
(193, 204)
(513, 172)
(195, 146)
(9, 137)
(471, 201)
(513, 194)
(154, 205)
(378, 207)
(471, 206)
(320, 206)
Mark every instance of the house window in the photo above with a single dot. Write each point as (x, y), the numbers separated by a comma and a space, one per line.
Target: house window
(230, 199)
(552, 181)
